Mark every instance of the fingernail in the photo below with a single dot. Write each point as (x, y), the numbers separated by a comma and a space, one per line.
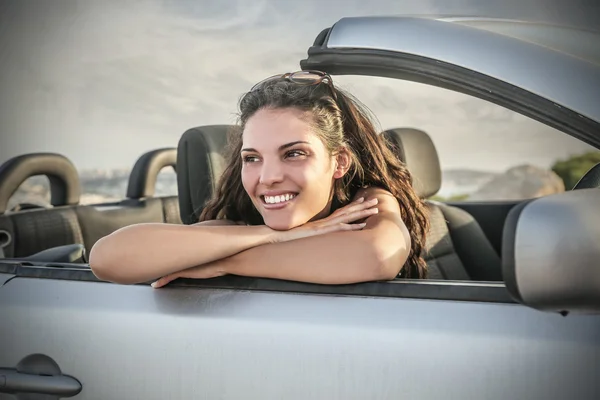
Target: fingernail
(153, 284)
(360, 199)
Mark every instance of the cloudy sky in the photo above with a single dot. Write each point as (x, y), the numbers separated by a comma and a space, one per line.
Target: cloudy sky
(104, 81)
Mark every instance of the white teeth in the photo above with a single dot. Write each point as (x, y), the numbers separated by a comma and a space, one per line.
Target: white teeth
(279, 199)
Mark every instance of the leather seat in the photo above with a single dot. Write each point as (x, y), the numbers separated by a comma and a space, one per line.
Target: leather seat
(143, 178)
(456, 247)
(590, 180)
(200, 163)
(24, 232)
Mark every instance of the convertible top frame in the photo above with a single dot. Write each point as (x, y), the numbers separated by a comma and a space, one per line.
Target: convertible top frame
(548, 85)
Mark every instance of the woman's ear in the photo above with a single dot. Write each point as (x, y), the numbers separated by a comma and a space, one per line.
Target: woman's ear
(343, 162)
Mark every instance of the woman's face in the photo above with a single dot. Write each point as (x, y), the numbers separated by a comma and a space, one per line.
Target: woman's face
(287, 171)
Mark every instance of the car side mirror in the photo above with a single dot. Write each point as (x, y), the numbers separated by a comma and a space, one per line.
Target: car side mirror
(551, 252)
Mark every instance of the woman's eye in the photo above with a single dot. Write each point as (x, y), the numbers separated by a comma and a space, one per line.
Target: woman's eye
(295, 153)
(249, 159)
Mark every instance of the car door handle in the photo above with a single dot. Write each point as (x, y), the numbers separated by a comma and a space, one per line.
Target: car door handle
(39, 374)
(12, 381)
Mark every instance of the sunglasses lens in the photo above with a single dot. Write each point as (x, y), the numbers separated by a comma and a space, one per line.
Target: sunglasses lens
(306, 77)
(300, 78)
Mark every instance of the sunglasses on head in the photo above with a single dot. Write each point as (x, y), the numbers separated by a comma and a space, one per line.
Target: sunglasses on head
(301, 78)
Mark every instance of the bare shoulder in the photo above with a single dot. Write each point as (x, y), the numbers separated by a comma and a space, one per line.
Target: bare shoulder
(218, 222)
(385, 200)
(388, 223)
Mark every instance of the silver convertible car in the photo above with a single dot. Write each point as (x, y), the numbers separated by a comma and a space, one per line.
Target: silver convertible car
(511, 309)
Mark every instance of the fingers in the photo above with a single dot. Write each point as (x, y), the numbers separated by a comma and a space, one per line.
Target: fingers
(359, 204)
(340, 228)
(164, 280)
(341, 220)
(353, 216)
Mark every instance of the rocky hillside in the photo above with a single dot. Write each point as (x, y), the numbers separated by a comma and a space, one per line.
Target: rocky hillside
(520, 182)
(461, 182)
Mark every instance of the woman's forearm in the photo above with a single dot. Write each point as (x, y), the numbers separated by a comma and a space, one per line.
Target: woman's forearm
(140, 253)
(337, 258)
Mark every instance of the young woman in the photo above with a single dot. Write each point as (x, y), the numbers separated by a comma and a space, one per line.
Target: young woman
(311, 193)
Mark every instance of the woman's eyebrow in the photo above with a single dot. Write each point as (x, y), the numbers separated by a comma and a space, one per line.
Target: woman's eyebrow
(283, 146)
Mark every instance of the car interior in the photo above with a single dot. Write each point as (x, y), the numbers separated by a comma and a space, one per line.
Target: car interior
(68, 228)
(464, 242)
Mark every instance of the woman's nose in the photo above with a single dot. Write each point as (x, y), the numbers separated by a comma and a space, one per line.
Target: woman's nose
(271, 172)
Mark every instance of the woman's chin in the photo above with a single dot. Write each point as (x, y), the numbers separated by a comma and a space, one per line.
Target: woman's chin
(281, 224)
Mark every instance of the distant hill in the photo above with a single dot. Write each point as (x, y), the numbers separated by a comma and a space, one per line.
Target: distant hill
(463, 181)
(520, 182)
(466, 176)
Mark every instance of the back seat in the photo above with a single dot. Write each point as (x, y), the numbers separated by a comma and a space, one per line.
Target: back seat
(456, 248)
(140, 206)
(142, 181)
(30, 231)
(27, 232)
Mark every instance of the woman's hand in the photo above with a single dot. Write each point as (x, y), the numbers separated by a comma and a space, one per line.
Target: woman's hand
(206, 271)
(343, 219)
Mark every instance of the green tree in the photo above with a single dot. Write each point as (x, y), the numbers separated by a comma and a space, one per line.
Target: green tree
(572, 169)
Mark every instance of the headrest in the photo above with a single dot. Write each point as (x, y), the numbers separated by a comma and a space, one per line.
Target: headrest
(200, 163)
(142, 180)
(416, 149)
(64, 180)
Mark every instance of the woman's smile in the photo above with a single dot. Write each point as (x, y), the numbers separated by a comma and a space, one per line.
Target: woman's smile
(277, 201)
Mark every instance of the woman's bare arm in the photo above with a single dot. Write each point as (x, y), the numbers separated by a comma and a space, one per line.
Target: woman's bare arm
(377, 252)
(139, 253)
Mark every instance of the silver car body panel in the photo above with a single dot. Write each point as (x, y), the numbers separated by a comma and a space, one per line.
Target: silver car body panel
(567, 80)
(134, 342)
(5, 278)
(577, 42)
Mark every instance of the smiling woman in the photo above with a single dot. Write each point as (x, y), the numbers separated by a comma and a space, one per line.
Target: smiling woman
(307, 176)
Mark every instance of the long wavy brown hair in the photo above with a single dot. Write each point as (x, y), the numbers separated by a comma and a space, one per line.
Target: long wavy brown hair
(340, 122)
